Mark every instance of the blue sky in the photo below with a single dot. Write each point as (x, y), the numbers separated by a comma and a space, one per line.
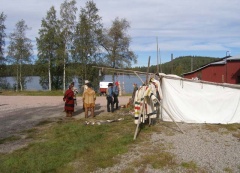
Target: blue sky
(183, 27)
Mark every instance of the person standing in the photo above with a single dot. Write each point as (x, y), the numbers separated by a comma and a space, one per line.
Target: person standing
(75, 91)
(89, 98)
(110, 98)
(69, 101)
(85, 87)
(135, 88)
(115, 94)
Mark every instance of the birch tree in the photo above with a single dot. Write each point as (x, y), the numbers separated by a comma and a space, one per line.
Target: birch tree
(20, 52)
(3, 82)
(68, 16)
(48, 44)
(2, 37)
(117, 45)
(87, 39)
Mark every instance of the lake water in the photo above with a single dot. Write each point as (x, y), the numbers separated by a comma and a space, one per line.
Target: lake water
(126, 82)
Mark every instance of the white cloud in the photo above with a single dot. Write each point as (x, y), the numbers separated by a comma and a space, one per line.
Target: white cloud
(180, 25)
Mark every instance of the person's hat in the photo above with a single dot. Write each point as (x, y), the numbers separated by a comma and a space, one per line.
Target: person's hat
(116, 83)
(110, 84)
(86, 81)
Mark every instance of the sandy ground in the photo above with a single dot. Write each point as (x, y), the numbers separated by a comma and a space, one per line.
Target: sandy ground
(18, 113)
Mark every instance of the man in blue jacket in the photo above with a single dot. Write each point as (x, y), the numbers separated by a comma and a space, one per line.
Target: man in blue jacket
(110, 97)
(115, 94)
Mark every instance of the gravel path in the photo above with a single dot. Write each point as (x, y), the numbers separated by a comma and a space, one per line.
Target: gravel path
(211, 151)
(19, 113)
(205, 151)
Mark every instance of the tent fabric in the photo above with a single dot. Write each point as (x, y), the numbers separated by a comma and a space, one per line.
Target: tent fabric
(196, 102)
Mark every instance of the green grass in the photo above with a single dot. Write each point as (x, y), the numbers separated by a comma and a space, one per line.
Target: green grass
(159, 159)
(69, 142)
(230, 127)
(234, 129)
(189, 165)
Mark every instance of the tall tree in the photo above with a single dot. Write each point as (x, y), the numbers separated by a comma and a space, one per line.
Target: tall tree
(68, 16)
(87, 40)
(48, 43)
(2, 37)
(116, 43)
(3, 82)
(20, 52)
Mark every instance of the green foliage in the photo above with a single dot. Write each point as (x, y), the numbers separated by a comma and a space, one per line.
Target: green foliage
(87, 42)
(50, 51)
(116, 42)
(180, 65)
(20, 52)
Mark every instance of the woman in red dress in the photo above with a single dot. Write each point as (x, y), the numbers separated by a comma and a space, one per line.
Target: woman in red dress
(69, 101)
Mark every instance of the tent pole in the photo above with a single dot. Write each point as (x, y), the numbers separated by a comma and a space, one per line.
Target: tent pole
(138, 77)
(171, 117)
(136, 131)
(139, 120)
(148, 70)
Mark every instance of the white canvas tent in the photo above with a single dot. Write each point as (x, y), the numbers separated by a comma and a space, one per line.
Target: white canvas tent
(195, 101)
(192, 101)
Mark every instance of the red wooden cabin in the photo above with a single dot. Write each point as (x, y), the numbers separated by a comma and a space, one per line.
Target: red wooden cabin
(226, 70)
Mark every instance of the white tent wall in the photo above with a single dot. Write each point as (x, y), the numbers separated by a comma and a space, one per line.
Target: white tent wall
(196, 102)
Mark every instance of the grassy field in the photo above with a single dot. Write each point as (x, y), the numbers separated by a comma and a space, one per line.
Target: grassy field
(65, 146)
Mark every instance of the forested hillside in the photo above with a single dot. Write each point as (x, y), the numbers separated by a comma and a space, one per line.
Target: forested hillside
(179, 65)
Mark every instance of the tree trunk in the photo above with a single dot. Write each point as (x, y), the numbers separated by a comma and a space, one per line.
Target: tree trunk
(64, 68)
(20, 76)
(49, 76)
(17, 80)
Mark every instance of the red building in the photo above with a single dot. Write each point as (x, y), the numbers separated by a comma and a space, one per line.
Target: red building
(226, 70)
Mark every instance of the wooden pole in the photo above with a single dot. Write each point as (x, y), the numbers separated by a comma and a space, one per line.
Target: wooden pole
(139, 120)
(160, 61)
(157, 57)
(148, 69)
(138, 77)
(170, 116)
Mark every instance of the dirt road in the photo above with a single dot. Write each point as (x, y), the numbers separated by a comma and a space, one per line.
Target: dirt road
(18, 113)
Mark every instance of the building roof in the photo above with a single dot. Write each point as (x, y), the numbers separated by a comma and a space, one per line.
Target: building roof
(237, 57)
(219, 62)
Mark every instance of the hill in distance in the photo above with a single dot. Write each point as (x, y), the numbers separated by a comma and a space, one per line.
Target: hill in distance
(179, 65)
